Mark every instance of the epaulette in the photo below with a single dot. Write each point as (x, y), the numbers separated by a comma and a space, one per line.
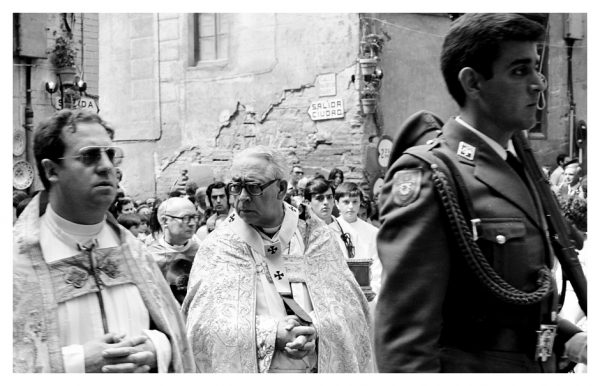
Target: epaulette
(433, 143)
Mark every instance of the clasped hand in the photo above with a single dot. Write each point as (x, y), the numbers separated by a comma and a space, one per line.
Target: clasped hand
(113, 353)
(294, 339)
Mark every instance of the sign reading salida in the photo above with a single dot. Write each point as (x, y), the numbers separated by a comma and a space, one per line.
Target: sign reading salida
(326, 109)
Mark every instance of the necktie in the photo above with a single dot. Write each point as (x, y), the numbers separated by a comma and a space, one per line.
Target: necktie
(516, 165)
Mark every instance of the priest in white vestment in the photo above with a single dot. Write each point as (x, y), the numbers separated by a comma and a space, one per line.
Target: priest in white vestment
(269, 292)
(87, 296)
(174, 249)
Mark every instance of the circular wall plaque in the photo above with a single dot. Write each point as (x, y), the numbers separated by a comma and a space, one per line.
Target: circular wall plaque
(22, 175)
(384, 147)
(19, 141)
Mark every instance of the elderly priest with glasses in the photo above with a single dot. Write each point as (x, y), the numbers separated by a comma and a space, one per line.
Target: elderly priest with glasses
(175, 248)
(269, 292)
(87, 297)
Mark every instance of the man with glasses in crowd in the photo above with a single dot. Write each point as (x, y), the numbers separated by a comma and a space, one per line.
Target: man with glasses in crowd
(296, 174)
(269, 292)
(175, 248)
(87, 297)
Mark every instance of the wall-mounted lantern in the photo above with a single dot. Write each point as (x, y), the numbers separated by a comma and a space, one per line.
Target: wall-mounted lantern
(51, 87)
(68, 91)
(68, 82)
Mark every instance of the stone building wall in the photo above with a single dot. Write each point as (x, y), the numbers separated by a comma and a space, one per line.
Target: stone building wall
(173, 114)
(84, 27)
(204, 113)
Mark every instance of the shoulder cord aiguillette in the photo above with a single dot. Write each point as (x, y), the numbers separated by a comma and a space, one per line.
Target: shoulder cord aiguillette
(474, 257)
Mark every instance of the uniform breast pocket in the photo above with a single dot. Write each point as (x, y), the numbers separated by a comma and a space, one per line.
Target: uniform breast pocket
(502, 241)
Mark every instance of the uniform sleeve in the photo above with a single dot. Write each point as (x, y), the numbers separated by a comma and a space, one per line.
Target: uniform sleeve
(413, 249)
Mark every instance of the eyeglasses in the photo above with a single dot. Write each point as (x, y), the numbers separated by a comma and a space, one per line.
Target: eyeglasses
(348, 243)
(91, 155)
(321, 197)
(185, 219)
(253, 189)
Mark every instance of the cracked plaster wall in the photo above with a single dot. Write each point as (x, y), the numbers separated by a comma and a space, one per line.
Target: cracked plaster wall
(259, 95)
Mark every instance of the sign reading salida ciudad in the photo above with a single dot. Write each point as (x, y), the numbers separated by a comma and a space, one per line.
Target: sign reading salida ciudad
(326, 109)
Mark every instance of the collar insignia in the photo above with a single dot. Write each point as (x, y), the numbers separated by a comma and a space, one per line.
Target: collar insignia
(466, 151)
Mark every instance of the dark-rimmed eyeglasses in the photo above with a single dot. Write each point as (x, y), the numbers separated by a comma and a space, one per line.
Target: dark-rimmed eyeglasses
(348, 243)
(253, 188)
(186, 219)
(91, 155)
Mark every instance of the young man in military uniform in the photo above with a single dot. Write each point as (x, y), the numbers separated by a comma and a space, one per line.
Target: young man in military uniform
(434, 314)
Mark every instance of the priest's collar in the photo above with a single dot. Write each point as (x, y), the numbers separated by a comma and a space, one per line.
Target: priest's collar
(71, 228)
(252, 236)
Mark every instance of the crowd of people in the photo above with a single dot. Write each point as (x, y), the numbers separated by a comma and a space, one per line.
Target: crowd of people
(270, 270)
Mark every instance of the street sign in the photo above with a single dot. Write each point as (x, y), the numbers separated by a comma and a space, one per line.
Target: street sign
(86, 103)
(326, 109)
(384, 148)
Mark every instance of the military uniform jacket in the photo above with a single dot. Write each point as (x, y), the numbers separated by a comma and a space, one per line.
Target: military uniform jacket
(429, 297)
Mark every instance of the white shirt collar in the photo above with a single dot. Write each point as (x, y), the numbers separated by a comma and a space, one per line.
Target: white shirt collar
(493, 144)
(77, 231)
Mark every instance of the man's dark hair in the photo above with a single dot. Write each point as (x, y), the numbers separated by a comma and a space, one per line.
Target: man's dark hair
(48, 141)
(561, 158)
(474, 41)
(121, 202)
(129, 220)
(349, 189)
(317, 185)
(571, 162)
(216, 185)
(334, 172)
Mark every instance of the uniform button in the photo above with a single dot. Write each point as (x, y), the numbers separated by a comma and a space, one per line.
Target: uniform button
(500, 239)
